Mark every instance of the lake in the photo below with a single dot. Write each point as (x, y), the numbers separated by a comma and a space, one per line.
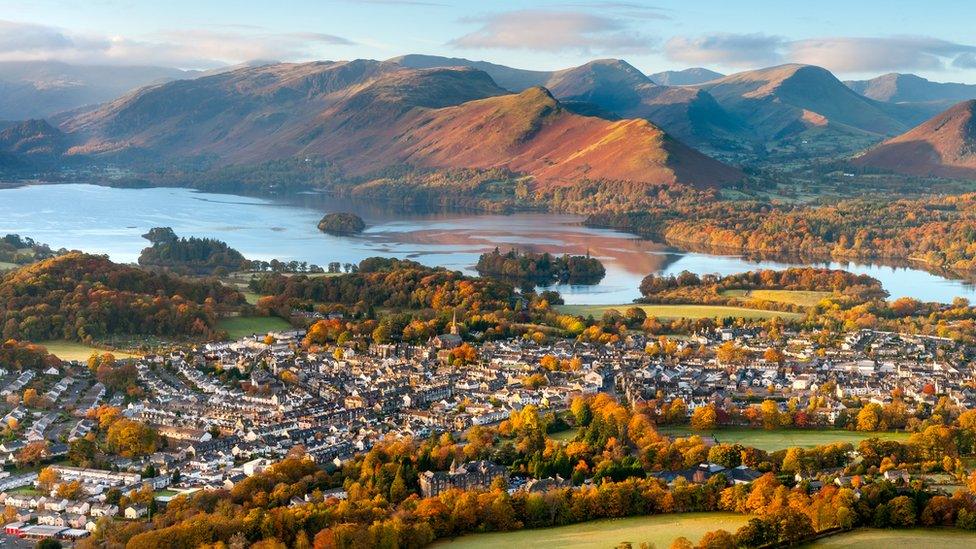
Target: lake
(111, 221)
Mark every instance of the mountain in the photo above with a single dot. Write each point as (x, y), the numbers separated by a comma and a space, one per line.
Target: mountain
(32, 138)
(910, 88)
(612, 88)
(39, 89)
(368, 115)
(790, 100)
(686, 77)
(511, 79)
(690, 115)
(944, 146)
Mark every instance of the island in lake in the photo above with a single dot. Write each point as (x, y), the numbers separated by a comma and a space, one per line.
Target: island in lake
(342, 224)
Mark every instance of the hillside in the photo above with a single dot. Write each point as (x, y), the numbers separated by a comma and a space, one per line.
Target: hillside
(79, 296)
(686, 77)
(510, 78)
(39, 89)
(365, 116)
(910, 88)
(33, 138)
(788, 100)
(612, 88)
(943, 146)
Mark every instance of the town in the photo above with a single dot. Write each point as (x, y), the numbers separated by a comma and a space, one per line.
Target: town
(218, 413)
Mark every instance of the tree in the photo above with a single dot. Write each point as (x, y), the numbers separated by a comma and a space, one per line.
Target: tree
(869, 417)
(33, 452)
(47, 479)
(793, 460)
(901, 512)
(756, 533)
(770, 414)
(130, 438)
(30, 397)
(793, 526)
(677, 411)
(71, 490)
(48, 543)
(717, 539)
(704, 418)
(774, 355)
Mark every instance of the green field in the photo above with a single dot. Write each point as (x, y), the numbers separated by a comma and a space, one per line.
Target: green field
(5, 266)
(677, 311)
(771, 441)
(563, 436)
(659, 530)
(241, 326)
(794, 297)
(75, 350)
(921, 538)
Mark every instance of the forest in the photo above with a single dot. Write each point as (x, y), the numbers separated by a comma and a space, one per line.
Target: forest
(198, 256)
(342, 223)
(84, 297)
(540, 268)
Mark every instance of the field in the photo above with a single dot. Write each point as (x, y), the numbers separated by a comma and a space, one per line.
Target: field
(677, 311)
(4, 266)
(563, 436)
(784, 438)
(241, 326)
(659, 530)
(921, 538)
(802, 298)
(75, 350)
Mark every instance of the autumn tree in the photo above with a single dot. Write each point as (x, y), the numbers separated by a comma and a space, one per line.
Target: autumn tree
(130, 438)
(704, 418)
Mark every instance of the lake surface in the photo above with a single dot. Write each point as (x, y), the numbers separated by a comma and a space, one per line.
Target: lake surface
(111, 221)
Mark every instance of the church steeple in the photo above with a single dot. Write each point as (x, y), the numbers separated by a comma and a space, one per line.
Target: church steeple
(454, 328)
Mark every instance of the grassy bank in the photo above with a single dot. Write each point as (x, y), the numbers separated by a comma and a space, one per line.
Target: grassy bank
(802, 298)
(920, 538)
(660, 530)
(678, 311)
(75, 350)
(784, 438)
(242, 326)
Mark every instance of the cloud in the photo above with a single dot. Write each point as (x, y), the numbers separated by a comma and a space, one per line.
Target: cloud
(732, 50)
(184, 48)
(629, 9)
(878, 54)
(552, 31)
(840, 54)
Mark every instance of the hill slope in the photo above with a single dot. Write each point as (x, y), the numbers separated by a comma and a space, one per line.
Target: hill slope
(39, 89)
(77, 296)
(686, 77)
(788, 100)
(910, 88)
(612, 88)
(943, 146)
(365, 116)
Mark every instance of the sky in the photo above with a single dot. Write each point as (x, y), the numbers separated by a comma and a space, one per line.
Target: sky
(853, 38)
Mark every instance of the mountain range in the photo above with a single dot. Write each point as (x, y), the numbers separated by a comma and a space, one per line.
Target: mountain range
(943, 146)
(601, 120)
(367, 115)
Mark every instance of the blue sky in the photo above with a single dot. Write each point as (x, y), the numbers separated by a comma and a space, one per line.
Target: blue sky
(853, 38)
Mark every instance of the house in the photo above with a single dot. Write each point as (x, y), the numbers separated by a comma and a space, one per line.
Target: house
(474, 474)
(134, 512)
(895, 475)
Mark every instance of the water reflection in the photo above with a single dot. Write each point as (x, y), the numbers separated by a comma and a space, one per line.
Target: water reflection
(110, 221)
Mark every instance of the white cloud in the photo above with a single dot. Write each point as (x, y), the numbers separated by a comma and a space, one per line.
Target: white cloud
(731, 50)
(840, 54)
(184, 48)
(899, 53)
(553, 31)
